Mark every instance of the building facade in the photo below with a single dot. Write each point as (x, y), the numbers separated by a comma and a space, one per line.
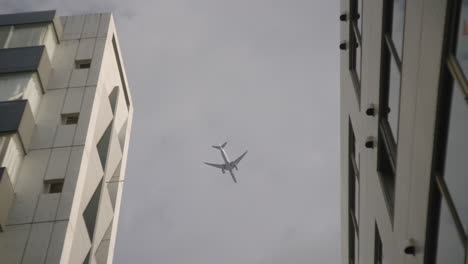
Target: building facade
(403, 131)
(65, 122)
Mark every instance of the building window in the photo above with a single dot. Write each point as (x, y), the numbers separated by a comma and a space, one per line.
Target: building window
(22, 35)
(355, 42)
(70, 119)
(447, 230)
(353, 198)
(392, 52)
(82, 64)
(54, 186)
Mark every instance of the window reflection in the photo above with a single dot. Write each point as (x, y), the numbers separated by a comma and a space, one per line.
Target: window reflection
(456, 160)
(394, 99)
(462, 42)
(449, 248)
(398, 25)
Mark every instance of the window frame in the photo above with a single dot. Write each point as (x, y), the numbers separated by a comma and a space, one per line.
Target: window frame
(387, 141)
(355, 42)
(451, 76)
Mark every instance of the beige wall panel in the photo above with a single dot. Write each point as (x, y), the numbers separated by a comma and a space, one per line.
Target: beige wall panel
(47, 207)
(91, 26)
(73, 100)
(85, 49)
(48, 119)
(58, 162)
(59, 78)
(73, 27)
(38, 242)
(85, 114)
(56, 242)
(78, 77)
(68, 192)
(95, 68)
(104, 24)
(30, 184)
(13, 242)
(65, 54)
(64, 135)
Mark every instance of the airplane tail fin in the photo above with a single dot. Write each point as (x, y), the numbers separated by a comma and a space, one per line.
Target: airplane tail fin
(219, 147)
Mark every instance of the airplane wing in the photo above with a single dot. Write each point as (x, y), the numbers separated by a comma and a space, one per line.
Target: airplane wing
(233, 177)
(239, 159)
(219, 166)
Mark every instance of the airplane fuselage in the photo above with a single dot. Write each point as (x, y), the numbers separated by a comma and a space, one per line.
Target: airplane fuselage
(227, 163)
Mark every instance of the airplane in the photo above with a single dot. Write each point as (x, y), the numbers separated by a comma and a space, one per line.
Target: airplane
(228, 165)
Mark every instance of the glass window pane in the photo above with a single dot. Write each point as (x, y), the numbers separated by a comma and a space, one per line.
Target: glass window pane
(12, 86)
(449, 248)
(398, 22)
(25, 36)
(394, 99)
(456, 157)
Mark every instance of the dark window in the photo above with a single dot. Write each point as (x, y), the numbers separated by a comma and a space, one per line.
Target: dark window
(54, 186)
(70, 119)
(355, 42)
(83, 64)
(447, 230)
(353, 198)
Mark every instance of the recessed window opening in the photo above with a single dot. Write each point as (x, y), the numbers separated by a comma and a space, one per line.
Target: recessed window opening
(54, 186)
(82, 64)
(70, 119)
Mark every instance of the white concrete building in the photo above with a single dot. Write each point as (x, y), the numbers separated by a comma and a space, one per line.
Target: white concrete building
(65, 121)
(404, 131)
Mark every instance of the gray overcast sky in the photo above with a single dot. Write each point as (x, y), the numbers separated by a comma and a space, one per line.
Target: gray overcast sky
(261, 74)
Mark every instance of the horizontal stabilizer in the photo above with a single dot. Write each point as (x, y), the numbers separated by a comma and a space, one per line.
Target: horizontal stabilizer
(221, 146)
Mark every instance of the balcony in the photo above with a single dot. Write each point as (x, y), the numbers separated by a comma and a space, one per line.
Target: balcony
(24, 74)
(30, 29)
(17, 118)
